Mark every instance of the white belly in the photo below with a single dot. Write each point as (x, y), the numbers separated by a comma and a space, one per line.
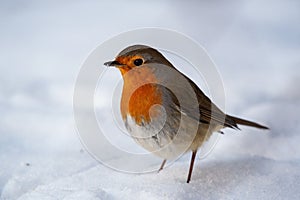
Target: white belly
(162, 137)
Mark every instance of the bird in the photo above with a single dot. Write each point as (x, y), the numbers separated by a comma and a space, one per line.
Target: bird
(163, 110)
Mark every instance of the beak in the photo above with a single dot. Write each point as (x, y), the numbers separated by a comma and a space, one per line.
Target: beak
(112, 64)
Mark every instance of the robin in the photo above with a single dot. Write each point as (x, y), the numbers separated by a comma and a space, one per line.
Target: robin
(164, 111)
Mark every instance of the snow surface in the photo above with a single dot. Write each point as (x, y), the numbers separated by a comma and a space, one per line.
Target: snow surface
(255, 46)
(248, 177)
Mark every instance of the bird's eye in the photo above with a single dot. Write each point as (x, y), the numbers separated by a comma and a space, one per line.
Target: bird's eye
(138, 62)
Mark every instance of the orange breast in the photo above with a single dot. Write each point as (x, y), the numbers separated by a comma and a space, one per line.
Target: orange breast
(137, 101)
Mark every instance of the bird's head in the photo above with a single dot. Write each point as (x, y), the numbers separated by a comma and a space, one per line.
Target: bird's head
(137, 56)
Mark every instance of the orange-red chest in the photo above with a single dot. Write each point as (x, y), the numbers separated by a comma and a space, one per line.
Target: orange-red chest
(139, 94)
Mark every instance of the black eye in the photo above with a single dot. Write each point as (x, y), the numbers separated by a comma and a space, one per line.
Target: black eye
(138, 62)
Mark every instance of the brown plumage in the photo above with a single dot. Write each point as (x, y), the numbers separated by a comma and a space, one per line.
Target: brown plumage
(188, 117)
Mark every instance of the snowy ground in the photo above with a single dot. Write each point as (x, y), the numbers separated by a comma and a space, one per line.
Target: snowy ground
(240, 177)
(255, 46)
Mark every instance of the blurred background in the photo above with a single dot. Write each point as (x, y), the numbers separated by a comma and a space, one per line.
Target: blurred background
(254, 44)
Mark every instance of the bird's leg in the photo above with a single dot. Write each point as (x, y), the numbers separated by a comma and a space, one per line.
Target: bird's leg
(191, 166)
(162, 165)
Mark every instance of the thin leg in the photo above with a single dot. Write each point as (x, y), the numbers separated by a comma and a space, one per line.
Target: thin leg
(162, 165)
(191, 166)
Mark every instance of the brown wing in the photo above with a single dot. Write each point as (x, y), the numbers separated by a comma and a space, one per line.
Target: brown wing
(209, 112)
(200, 109)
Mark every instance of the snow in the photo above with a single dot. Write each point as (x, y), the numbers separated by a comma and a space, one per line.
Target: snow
(249, 177)
(255, 46)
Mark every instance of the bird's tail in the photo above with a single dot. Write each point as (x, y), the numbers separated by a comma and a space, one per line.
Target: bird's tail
(245, 122)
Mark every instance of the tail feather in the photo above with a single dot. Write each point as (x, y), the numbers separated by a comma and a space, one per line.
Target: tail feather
(246, 122)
